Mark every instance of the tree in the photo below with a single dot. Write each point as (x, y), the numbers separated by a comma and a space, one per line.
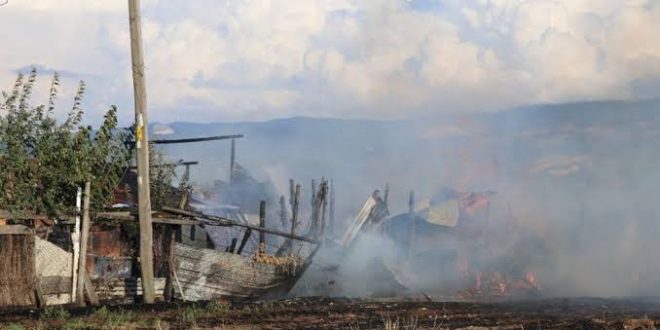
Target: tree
(44, 162)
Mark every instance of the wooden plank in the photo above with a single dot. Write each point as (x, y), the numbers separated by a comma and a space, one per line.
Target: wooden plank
(84, 237)
(142, 146)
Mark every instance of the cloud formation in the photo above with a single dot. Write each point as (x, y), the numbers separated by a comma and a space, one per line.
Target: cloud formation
(243, 60)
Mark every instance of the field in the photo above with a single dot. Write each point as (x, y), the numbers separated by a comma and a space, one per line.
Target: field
(341, 313)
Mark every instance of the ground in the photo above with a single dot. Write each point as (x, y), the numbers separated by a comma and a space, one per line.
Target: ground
(341, 313)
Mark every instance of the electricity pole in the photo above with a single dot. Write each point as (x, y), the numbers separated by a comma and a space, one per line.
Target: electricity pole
(142, 147)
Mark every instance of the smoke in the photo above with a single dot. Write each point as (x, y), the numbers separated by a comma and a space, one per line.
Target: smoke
(576, 185)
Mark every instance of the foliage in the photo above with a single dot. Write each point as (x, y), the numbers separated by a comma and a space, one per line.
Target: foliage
(44, 162)
(161, 176)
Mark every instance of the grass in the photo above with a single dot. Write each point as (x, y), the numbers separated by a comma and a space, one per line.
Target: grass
(190, 316)
(55, 313)
(114, 319)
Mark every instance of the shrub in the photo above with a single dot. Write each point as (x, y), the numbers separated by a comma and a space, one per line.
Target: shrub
(44, 162)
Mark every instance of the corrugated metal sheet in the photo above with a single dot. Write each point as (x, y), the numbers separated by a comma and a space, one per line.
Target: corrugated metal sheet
(209, 274)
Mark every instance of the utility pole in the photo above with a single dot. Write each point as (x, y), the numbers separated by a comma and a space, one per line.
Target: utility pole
(142, 147)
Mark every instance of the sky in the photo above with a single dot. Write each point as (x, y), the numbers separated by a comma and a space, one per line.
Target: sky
(235, 60)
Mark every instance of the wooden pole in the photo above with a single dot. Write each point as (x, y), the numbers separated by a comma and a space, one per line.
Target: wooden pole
(75, 241)
(232, 247)
(331, 211)
(313, 192)
(292, 193)
(142, 146)
(324, 193)
(296, 206)
(246, 236)
(232, 160)
(283, 214)
(262, 224)
(413, 224)
(387, 194)
(83, 246)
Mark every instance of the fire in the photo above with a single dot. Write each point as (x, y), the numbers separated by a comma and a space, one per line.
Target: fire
(531, 279)
(496, 284)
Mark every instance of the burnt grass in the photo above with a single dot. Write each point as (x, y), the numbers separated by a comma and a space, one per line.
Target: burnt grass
(343, 313)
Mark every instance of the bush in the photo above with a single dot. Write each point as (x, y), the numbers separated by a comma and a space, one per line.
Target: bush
(44, 162)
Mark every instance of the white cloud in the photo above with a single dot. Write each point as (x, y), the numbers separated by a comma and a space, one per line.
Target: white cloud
(210, 60)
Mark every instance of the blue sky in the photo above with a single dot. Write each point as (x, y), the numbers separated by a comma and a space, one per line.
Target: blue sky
(212, 60)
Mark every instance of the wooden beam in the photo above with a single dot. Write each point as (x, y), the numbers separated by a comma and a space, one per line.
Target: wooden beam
(186, 164)
(201, 139)
(84, 237)
(142, 146)
(219, 221)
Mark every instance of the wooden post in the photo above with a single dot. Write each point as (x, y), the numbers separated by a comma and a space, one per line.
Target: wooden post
(413, 223)
(296, 206)
(232, 247)
(313, 192)
(387, 194)
(75, 241)
(324, 194)
(292, 193)
(142, 146)
(82, 261)
(262, 224)
(246, 236)
(283, 214)
(232, 160)
(331, 211)
(169, 285)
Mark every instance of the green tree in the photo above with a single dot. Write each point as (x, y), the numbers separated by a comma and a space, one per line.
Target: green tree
(43, 162)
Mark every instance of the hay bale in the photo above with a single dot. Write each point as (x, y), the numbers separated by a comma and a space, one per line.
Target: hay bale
(17, 267)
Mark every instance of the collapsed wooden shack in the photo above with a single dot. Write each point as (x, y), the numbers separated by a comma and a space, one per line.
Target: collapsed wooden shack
(45, 264)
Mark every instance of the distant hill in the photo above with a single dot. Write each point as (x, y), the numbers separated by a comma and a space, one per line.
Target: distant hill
(475, 151)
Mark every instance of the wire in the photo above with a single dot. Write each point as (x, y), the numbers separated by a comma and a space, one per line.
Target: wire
(3, 3)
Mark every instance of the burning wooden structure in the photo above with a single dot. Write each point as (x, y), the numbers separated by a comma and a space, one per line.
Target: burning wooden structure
(44, 253)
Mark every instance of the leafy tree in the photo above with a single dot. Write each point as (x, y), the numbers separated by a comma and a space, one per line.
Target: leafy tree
(43, 162)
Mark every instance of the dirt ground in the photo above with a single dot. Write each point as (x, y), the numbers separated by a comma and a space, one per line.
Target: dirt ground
(341, 313)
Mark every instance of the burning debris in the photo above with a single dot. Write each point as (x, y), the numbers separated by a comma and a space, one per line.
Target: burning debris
(441, 247)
